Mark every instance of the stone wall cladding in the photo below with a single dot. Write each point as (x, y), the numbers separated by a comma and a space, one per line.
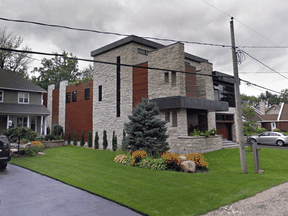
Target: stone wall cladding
(189, 144)
(49, 104)
(171, 57)
(62, 103)
(104, 112)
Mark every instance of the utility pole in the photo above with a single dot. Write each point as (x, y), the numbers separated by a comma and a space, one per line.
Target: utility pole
(238, 102)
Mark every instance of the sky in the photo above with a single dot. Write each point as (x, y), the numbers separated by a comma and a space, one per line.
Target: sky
(260, 23)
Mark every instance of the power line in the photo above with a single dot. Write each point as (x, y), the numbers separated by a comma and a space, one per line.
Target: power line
(126, 35)
(264, 64)
(126, 65)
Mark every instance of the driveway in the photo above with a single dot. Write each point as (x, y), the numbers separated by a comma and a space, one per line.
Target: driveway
(23, 192)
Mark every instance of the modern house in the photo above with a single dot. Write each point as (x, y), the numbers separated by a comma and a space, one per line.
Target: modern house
(21, 102)
(186, 93)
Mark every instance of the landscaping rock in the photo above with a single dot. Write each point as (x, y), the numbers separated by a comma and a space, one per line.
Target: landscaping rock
(183, 158)
(188, 166)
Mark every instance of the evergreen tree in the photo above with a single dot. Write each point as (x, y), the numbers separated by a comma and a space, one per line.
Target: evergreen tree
(69, 137)
(96, 141)
(75, 138)
(82, 142)
(105, 142)
(89, 139)
(124, 135)
(145, 130)
(114, 142)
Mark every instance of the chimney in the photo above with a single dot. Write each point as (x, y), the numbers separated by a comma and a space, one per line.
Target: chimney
(262, 106)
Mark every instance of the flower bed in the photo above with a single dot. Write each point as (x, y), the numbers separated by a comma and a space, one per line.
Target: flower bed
(168, 160)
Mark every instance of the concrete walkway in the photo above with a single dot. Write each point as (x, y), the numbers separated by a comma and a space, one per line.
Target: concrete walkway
(23, 192)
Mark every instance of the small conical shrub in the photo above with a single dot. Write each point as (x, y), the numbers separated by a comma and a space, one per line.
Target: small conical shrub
(114, 142)
(105, 142)
(82, 142)
(75, 138)
(96, 141)
(89, 139)
(69, 137)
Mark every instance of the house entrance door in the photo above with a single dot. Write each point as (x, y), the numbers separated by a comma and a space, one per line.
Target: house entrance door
(224, 129)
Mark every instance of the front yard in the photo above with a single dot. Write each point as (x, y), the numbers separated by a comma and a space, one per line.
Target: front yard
(154, 192)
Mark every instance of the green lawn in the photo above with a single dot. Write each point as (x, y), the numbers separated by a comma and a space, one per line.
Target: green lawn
(162, 192)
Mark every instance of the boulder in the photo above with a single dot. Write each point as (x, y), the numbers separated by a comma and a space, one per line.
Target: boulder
(188, 166)
(183, 158)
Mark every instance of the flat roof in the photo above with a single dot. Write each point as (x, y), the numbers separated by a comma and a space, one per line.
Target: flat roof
(142, 41)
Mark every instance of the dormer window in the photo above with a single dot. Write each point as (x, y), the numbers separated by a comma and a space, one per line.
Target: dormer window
(23, 97)
(1, 96)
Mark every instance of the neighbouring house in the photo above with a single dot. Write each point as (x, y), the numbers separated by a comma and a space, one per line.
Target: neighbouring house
(186, 101)
(22, 102)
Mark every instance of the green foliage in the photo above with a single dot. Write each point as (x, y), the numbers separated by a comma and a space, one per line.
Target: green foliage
(144, 130)
(75, 138)
(96, 141)
(261, 130)
(48, 130)
(248, 113)
(69, 137)
(105, 142)
(32, 151)
(80, 81)
(89, 139)
(249, 128)
(55, 70)
(82, 142)
(49, 137)
(124, 135)
(18, 133)
(58, 130)
(207, 133)
(25, 141)
(213, 132)
(269, 98)
(114, 142)
(250, 100)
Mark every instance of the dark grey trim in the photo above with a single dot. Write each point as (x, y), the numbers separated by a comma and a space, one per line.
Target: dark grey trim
(219, 76)
(142, 41)
(24, 109)
(23, 90)
(177, 102)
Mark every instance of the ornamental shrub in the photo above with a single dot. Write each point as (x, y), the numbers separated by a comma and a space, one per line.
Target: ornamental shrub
(145, 130)
(82, 142)
(114, 142)
(137, 156)
(69, 137)
(75, 138)
(172, 161)
(105, 142)
(58, 130)
(96, 141)
(89, 139)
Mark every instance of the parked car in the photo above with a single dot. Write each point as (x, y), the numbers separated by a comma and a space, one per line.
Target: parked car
(269, 137)
(5, 152)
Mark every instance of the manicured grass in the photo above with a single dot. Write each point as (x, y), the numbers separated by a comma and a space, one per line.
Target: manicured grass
(162, 192)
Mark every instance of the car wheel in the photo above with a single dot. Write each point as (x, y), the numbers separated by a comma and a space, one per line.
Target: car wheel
(253, 141)
(3, 166)
(280, 143)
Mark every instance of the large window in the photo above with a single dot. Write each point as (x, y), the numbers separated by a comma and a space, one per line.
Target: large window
(68, 97)
(1, 96)
(224, 92)
(22, 121)
(23, 97)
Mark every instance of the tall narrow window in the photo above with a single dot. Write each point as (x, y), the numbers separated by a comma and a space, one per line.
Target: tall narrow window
(74, 96)
(166, 77)
(118, 87)
(167, 116)
(173, 78)
(174, 119)
(87, 93)
(100, 93)
(1, 96)
(68, 97)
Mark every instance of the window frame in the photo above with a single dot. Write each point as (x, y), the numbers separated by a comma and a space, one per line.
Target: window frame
(87, 93)
(166, 77)
(74, 96)
(142, 51)
(173, 78)
(167, 116)
(174, 119)
(22, 95)
(68, 94)
(1, 91)
(100, 93)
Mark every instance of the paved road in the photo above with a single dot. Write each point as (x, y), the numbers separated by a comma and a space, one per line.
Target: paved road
(23, 192)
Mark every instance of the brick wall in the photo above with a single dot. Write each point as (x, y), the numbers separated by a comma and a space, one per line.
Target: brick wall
(79, 113)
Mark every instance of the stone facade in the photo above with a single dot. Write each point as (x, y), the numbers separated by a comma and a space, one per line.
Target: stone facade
(49, 104)
(188, 144)
(62, 103)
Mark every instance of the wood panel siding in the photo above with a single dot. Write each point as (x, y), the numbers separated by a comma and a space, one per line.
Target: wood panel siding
(191, 88)
(140, 83)
(79, 113)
